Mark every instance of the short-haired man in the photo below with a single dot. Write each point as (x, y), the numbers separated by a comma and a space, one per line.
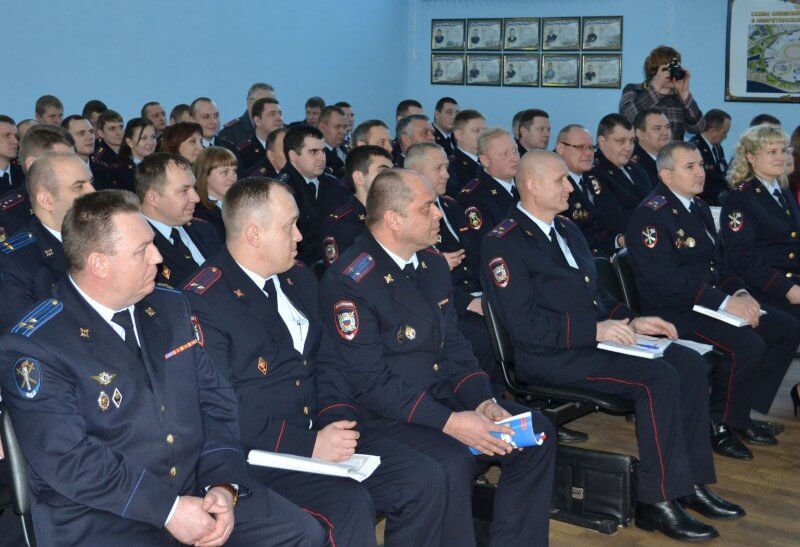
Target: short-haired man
(768, 119)
(391, 328)
(82, 131)
(620, 184)
(274, 160)
(267, 117)
(592, 215)
(317, 194)
(15, 206)
(341, 228)
(49, 109)
(460, 245)
(24, 126)
(652, 130)
(372, 132)
(92, 109)
(412, 129)
(313, 108)
(709, 143)
(487, 198)
(32, 260)
(11, 174)
(165, 184)
(154, 112)
(443, 118)
(677, 260)
(241, 129)
(204, 111)
(350, 117)
(258, 316)
(539, 276)
(110, 131)
(130, 432)
(534, 130)
(407, 107)
(464, 164)
(180, 113)
(333, 125)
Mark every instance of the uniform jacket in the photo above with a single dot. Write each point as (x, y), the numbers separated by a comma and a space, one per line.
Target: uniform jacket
(596, 218)
(121, 175)
(341, 228)
(238, 130)
(761, 239)
(15, 212)
(31, 261)
(334, 166)
(617, 191)
(485, 201)
(104, 154)
(715, 171)
(17, 178)
(263, 168)
(213, 216)
(677, 265)
(111, 440)
(276, 385)
(443, 141)
(250, 152)
(398, 342)
(464, 276)
(175, 268)
(462, 170)
(647, 163)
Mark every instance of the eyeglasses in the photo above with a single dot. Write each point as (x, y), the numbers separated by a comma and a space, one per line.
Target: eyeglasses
(580, 147)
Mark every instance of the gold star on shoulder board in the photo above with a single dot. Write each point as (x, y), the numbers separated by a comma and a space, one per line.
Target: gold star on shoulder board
(84, 333)
(238, 293)
(388, 278)
(424, 266)
(48, 253)
(149, 311)
(493, 191)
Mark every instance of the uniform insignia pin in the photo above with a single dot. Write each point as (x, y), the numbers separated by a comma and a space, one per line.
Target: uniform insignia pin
(238, 293)
(410, 332)
(262, 366)
(439, 238)
(577, 205)
(48, 252)
(166, 272)
(104, 378)
(116, 398)
(674, 211)
(424, 266)
(690, 242)
(362, 217)
(289, 282)
(149, 311)
(103, 401)
(84, 333)
(680, 232)
(388, 278)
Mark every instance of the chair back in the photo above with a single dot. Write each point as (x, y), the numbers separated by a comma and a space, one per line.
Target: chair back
(607, 277)
(627, 280)
(18, 471)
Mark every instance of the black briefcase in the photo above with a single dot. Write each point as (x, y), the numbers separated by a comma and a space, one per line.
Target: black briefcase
(594, 489)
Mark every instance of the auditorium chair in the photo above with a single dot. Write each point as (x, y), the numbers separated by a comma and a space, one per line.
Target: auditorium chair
(18, 471)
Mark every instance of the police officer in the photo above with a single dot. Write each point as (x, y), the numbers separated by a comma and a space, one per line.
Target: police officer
(539, 275)
(443, 118)
(32, 260)
(411, 129)
(165, 184)
(390, 326)
(11, 175)
(317, 194)
(653, 131)
(341, 228)
(241, 129)
(709, 143)
(592, 215)
(129, 430)
(676, 256)
(333, 125)
(110, 131)
(274, 160)
(257, 315)
(267, 117)
(487, 197)
(464, 162)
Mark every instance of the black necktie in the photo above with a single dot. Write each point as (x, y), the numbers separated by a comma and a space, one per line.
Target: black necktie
(514, 192)
(779, 196)
(5, 180)
(410, 272)
(123, 319)
(180, 247)
(584, 190)
(555, 248)
(312, 186)
(272, 295)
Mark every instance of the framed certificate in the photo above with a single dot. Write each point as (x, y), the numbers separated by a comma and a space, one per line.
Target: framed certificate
(521, 70)
(602, 33)
(447, 34)
(560, 70)
(561, 33)
(521, 34)
(447, 68)
(483, 69)
(484, 34)
(601, 70)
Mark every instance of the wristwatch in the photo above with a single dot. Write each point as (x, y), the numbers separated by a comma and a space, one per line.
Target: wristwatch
(230, 488)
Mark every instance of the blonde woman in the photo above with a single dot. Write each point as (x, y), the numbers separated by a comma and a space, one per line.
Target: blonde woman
(215, 171)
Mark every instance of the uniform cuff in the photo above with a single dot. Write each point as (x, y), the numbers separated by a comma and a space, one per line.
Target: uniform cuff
(172, 511)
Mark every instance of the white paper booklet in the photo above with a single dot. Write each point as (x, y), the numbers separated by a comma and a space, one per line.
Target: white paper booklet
(723, 316)
(647, 347)
(358, 467)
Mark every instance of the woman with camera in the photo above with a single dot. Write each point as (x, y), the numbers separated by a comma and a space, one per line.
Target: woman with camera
(666, 89)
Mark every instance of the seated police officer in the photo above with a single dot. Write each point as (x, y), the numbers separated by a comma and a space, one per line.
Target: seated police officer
(317, 194)
(165, 184)
(341, 228)
(709, 143)
(539, 275)
(240, 129)
(464, 163)
(652, 131)
(391, 327)
(258, 318)
(267, 117)
(128, 430)
(32, 260)
(676, 256)
(333, 125)
(11, 175)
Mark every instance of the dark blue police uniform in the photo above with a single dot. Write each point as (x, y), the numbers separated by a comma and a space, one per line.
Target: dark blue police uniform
(15, 212)
(15, 177)
(617, 192)
(263, 168)
(238, 130)
(462, 169)
(282, 407)
(178, 261)
(646, 162)
(249, 152)
(485, 201)
(446, 142)
(334, 166)
(551, 311)
(594, 217)
(716, 167)
(397, 341)
(676, 256)
(122, 175)
(341, 228)
(112, 437)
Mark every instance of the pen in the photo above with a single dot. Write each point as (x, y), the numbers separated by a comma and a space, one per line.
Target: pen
(648, 346)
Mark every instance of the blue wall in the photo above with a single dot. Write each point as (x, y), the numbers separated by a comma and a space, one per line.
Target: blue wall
(369, 52)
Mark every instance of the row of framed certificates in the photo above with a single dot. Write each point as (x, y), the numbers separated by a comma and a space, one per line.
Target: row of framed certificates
(527, 34)
(599, 70)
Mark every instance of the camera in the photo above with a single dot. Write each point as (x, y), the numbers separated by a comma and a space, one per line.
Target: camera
(675, 70)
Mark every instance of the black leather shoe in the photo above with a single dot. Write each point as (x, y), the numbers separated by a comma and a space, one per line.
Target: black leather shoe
(570, 436)
(672, 520)
(707, 503)
(756, 435)
(773, 427)
(725, 443)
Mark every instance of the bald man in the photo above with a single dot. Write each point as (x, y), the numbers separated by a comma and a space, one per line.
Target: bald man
(538, 273)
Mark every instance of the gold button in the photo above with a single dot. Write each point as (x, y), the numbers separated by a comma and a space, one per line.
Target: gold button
(173, 472)
(789, 275)
(170, 438)
(305, 362)
(436, 367)
(305, 410)
(712, 268)
(297, 383)
(791, 255)
(794, 234)
(162, 408)
(586, 278)
(594, 302)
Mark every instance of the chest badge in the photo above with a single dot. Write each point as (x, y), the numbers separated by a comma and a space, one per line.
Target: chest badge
(104, 378)
(388, 278)
(103, 401)
(116, 398)
(262, 366)
(690, 242)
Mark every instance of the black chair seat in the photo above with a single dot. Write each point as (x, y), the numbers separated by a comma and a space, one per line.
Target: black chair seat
(605, 402)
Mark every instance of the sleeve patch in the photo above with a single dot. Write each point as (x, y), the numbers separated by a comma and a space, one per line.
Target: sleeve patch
(330, 249)
(735, 221)
(40, 315)
(17, 241)
(503, 228)
(198, 331)
(500, 272)
(346, 315)
(28, 376)
(656, 202)
(360, 267)
(204, 280)
(649, 236)
(474, 217)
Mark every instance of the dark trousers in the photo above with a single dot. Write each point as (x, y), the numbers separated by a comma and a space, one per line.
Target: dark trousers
(671, 399)
(521, 513)
(409, 487)
(753, 365)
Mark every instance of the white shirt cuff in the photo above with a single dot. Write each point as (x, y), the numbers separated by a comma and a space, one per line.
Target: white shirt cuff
(172, 511)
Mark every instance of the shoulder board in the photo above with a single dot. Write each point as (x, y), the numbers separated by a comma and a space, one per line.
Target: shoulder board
(445, 197)
(433, 250)
(284, 177)
(634, 159)
(41, 314)
(204, 280)
(197, 219)
(360, 267)
(244, 145)
(167, 288)
(17, 241)
(11, 200)
(656, 202)
(746, 185)
(470, 186)
(503, 228)
(342, 211)
(299, 263)
(233, 122)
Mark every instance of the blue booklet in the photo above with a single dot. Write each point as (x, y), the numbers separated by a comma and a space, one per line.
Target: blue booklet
(522, 424)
